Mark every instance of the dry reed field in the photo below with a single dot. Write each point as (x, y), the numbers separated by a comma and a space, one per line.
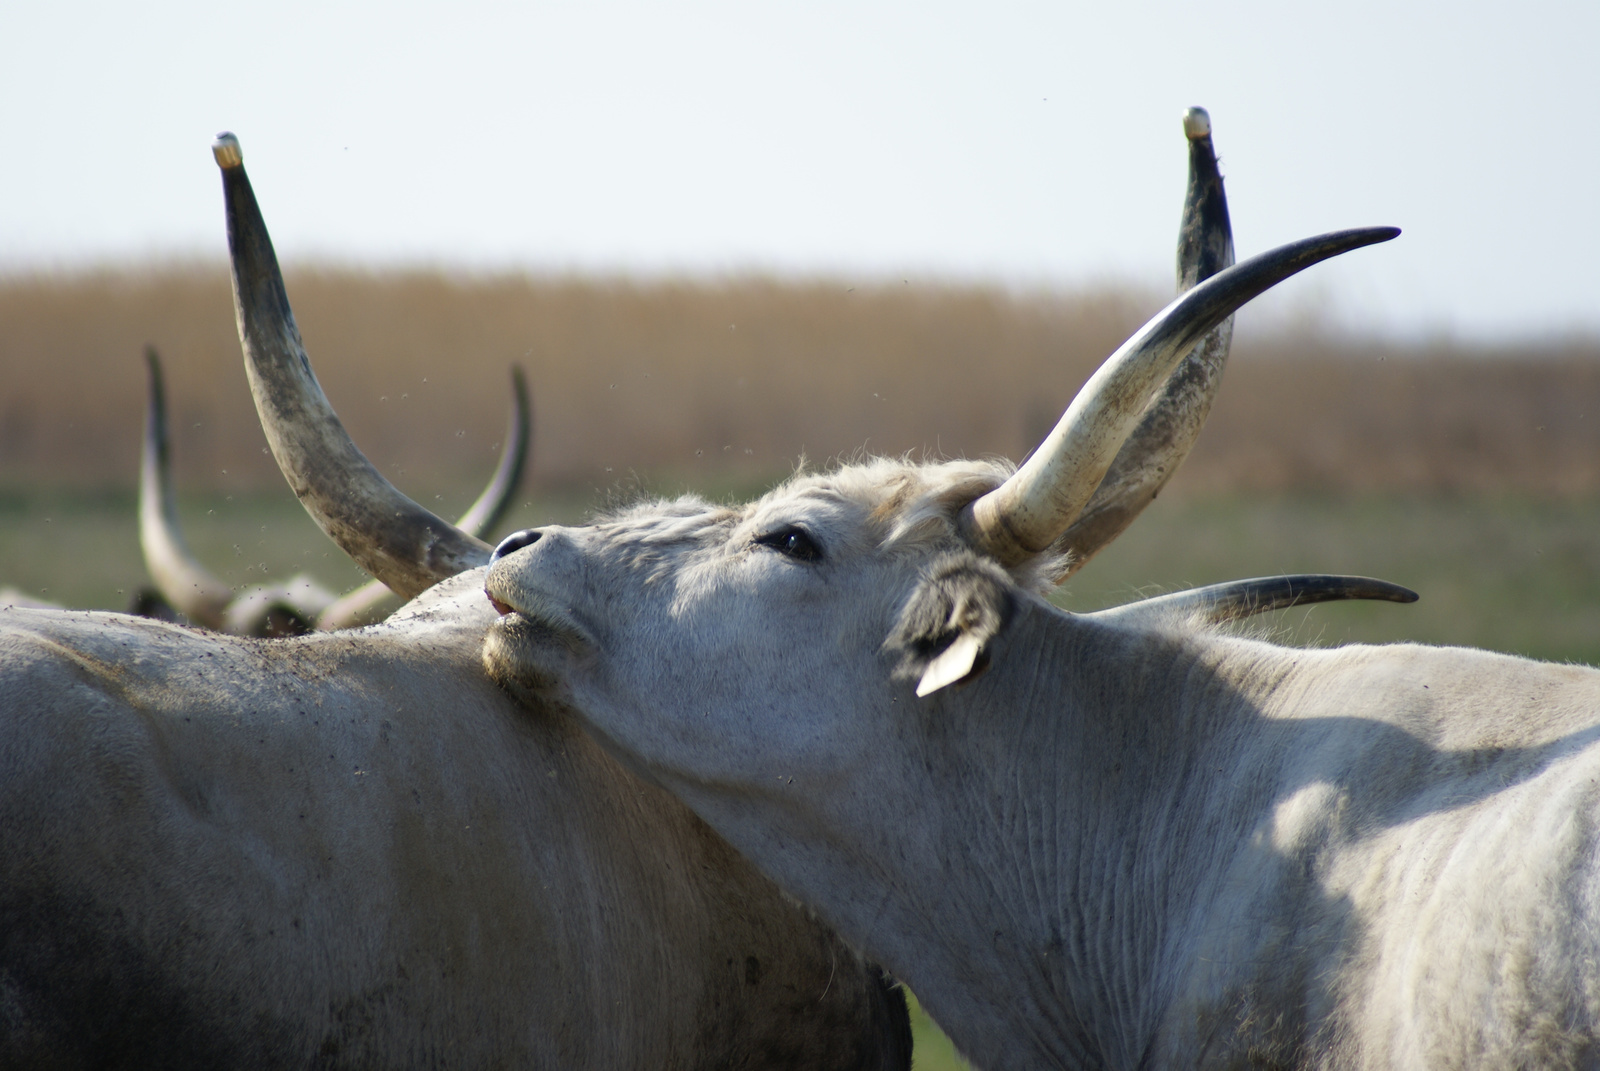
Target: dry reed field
(710, 382)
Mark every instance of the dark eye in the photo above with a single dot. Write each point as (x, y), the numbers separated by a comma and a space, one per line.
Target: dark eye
(793, 543)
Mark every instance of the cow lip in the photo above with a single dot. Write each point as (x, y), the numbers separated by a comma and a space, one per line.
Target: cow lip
(541, 611)
(503, 601)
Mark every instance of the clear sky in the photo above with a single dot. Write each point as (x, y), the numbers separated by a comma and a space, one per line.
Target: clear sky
(1030, 144)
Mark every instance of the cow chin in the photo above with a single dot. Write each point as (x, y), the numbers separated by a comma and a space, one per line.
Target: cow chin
(529, 659)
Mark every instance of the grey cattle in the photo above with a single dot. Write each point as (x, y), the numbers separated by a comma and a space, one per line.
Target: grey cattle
(1123, 840)
(353, 850)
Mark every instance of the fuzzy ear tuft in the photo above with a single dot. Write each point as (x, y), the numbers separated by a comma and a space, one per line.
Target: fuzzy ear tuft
(944, 630)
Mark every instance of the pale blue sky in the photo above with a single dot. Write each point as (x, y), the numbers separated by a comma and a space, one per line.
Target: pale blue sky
(1033, 144)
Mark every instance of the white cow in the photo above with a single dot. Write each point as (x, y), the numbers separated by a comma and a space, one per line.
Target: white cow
(353, 850)
(1122, 840)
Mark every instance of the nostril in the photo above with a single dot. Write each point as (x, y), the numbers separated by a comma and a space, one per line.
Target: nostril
(515, 542)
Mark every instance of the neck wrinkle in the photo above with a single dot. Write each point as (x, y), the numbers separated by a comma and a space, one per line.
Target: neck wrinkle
(1060, 907)
(1109, 735)
(1003, 920)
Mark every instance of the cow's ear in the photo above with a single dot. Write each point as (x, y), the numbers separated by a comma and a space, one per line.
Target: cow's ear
(945, 627)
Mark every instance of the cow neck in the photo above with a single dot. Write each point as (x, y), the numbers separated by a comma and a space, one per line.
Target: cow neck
(1083, 816)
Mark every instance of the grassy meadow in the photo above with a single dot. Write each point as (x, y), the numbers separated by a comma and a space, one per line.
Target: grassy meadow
(1469, 473)
(1507, 572)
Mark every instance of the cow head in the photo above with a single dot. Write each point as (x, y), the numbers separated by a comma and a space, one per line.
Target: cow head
(734, 619)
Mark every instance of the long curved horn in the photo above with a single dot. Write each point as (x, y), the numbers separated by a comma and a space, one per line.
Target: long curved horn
(391, 537)
(1237, 599)
(1170, 426)
(178, 574)
(482, 516)
(1028, 512)
(363, 605)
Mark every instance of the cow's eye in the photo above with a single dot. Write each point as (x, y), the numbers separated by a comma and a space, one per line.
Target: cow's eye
(792, 542)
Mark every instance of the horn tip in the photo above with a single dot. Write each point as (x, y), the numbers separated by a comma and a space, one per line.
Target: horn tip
(1196, 124)
(226, 150)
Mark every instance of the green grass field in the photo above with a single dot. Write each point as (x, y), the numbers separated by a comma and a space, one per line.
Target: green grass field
(1518, 575)
(1514, 574)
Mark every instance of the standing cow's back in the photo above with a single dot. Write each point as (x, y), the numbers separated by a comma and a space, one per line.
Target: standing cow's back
(353, 850)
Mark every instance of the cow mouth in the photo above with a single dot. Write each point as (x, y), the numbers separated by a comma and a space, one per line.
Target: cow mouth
(536, 645)
(534, 616)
